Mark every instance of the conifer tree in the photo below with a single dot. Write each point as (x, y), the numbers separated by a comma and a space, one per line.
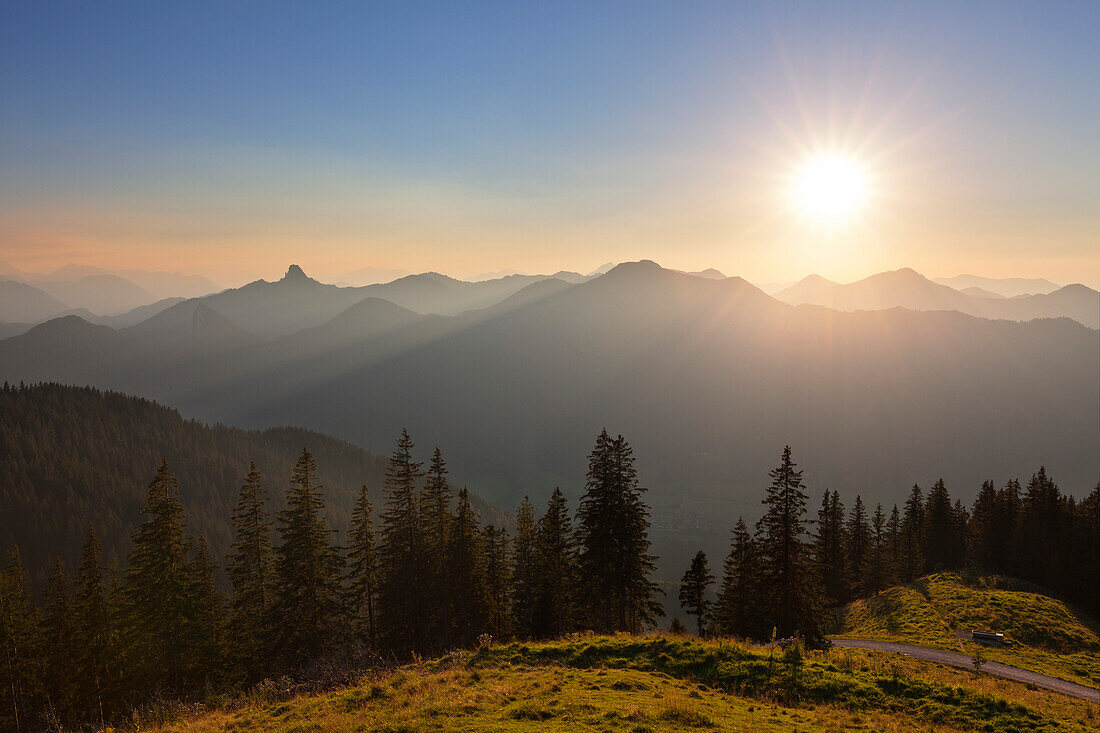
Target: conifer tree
(210, 608)
(23, 653)
(1006, 533)
(960, 519)
(736, 614)
(160, 602)
(875, 562)
(1041, 525)
(980, 539)
(613, 562)
(251, 573)
(466, 569)
(828, 548)
(362, 568)
(59, 651)
(525, 574)
(555, 561)
(401, 620)
(857, 534)
(939, 528)
(693, 591)
(787, 588)
(308, 596)
(93, 672)
(436, 521)
(911, 564)
(894, 547)
(498, 583)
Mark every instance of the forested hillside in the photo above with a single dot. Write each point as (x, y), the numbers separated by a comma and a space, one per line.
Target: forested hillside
(70, 457)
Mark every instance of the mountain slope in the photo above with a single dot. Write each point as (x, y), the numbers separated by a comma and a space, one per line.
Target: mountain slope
(652, 683)
(74, 456)
(103, 294)
(707, 378)
(23, 303)
(940, 610)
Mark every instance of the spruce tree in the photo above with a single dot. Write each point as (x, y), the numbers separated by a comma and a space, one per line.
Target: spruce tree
(911, 564)
(736, 613)
(436, 521)
(876, 559)
(894, 547)
(960, 519)
(857, 533)
(555, 562)
(525, 575)
(1006, 532)
(466, 569)
(59, 650)
(613, 562)
(23, 653)
(94, 673)
(828, 549)
(400, 607)
(788, 588)
(210, 612)
(160, 601)
(499, 576)
(362, 567)
(939, 528)
(693, 591)
(308, 595)
(251, 574)
(981, 540)
(1042, 524)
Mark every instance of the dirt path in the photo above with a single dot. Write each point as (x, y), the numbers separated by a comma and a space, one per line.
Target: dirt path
(956, 659)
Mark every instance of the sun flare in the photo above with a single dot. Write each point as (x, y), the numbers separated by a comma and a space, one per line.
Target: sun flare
(830, 188)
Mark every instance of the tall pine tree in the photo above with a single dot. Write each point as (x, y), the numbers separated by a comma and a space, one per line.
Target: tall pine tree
(401, 611)
(788, 591)
(307, 607)
(251, 574)
(613, 563)
(525, 573)
(362, 569)
(736, 612)
(693, 591)
(555, 561)
(161, 611)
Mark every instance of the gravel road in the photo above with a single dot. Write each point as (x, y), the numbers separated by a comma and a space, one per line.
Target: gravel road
(956, 659)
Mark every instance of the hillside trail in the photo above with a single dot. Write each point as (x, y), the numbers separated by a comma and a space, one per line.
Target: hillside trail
(956, 659)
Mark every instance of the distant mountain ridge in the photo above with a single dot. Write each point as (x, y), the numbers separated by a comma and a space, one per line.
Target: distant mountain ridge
(906, 288)
(1009, 287)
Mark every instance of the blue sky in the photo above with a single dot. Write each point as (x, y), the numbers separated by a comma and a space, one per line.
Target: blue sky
(231, 138)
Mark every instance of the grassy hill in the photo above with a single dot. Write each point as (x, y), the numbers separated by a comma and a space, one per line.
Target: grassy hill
(656, 683)
(937, 610)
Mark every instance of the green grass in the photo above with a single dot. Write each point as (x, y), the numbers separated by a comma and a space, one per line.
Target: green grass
(1048, 636)
(658, 683)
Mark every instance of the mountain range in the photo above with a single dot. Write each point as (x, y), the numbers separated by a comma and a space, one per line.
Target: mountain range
(708, 378)
(907, 288)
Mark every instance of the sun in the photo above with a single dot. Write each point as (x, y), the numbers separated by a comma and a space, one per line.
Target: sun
(830, 188)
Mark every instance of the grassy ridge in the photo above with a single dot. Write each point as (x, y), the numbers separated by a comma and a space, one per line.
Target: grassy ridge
(1048, 636)
(658, 683)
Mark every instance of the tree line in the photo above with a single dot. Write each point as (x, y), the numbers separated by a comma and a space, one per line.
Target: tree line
(785, 578)
(419, 575)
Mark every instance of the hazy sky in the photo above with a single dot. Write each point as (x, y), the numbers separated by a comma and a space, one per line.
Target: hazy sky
(232, 138)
